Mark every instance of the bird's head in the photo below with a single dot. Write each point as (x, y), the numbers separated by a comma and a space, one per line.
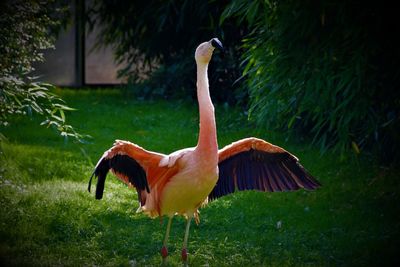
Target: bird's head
(205, 50)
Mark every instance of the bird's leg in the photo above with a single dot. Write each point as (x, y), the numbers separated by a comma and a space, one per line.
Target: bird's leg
(185, 242)
(164, 250)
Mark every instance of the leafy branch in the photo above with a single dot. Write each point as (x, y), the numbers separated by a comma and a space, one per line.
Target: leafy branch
(25, 31)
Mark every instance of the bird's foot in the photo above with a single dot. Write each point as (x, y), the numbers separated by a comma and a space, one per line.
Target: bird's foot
(164, 255)
(184, 255)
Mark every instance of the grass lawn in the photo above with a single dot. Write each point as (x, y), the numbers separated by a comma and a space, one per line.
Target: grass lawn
(48, 218)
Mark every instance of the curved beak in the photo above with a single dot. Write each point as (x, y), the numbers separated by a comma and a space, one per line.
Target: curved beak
(217, 44)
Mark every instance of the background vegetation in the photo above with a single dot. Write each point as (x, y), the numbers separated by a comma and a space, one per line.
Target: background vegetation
(26, 29)
(327, 70)
(157, 39)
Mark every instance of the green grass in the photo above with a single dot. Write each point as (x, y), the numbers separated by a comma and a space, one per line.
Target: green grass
(48, 218)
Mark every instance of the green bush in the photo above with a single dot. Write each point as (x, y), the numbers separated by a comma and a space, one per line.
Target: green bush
(328, 70)
(26, 29)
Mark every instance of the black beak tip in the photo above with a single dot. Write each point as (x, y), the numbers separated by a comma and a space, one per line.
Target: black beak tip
(217, 44)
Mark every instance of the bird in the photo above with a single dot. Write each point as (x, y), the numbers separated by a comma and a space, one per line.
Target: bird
(182, 182)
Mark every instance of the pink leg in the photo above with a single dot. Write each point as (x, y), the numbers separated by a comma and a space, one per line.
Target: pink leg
(164, 250)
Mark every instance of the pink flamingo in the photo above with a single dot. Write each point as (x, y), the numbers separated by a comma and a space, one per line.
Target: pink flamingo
(181, 182)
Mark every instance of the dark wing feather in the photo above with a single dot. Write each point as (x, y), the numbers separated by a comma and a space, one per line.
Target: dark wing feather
(125, 167)
(254, 169)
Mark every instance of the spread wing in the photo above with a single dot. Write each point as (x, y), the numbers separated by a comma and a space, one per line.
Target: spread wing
(130, 163)
(253, 164)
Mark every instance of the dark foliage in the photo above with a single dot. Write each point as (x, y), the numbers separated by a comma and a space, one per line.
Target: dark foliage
(325, 69)
(158, 39)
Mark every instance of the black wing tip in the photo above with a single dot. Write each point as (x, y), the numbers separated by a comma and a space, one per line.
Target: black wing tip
(307, 181)
(100, 172)
(90, 182)
(313, 183)
(99, 195)
(310, 182)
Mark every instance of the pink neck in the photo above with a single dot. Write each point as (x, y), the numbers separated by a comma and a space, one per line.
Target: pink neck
(208, 133)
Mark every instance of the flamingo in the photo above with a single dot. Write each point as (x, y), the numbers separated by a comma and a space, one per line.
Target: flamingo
(181, 182)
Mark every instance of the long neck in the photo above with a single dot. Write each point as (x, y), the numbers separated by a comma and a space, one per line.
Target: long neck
(208, 133)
